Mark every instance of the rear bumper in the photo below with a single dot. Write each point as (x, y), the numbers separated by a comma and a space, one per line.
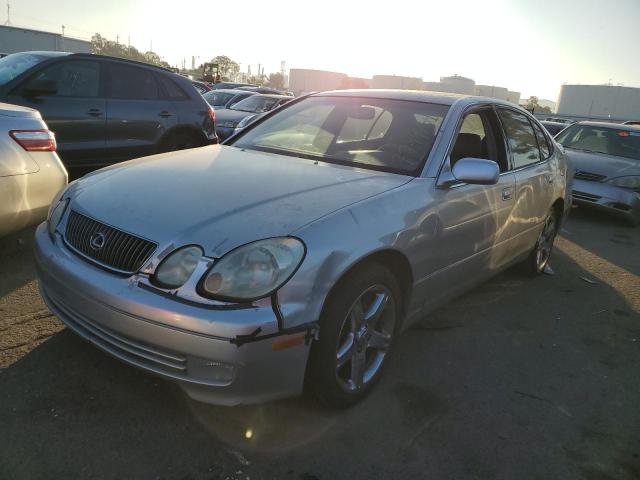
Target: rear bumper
(132, 324)
(617, 201)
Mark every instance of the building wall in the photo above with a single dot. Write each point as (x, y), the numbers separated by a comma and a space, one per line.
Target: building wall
(513, 97)
(599, 102)
(302, 80)
(491, 91)
(397, 82)
(13, 40)
(457, 84)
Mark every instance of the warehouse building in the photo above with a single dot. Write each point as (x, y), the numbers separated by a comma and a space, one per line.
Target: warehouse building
(396, 82)
(599, 102)
(14, 39)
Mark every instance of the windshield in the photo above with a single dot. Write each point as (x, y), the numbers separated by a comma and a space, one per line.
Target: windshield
(13, 65)
(610, 141)
(380, 134)
(218, 99)
(255, 104)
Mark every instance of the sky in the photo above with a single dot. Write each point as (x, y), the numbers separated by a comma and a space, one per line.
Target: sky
(530, 46)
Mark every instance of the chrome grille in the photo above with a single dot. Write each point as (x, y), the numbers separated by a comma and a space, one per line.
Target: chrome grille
(119, 250)
(590, 177)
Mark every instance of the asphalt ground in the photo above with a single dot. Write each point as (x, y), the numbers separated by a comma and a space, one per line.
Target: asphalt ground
(518, 379)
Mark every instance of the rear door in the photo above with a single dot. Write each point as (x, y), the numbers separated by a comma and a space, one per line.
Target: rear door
(75, 112)
(138, 115)
(476, 221)
(534, 176)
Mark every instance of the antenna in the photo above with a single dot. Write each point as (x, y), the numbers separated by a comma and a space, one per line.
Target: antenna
(8, 22)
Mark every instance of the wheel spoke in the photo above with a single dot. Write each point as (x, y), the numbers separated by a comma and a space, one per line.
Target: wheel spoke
(379, 340)
(375, 311)
(346, 351)
(358, 364)
(357, 315)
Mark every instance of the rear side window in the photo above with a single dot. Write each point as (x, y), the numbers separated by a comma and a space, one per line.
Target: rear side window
(171, 89)
(522, 140)
(357, 129)
(132, 83)
(545, 149)
(72, 79)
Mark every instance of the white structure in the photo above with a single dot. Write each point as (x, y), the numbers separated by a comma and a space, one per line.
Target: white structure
(397, 82)
(492, 91)
(599, 102)
(15, 39)
(302, 80)
(514, 97)
(457, 84)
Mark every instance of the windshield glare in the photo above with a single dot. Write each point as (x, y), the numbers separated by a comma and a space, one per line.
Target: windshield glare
(255, 104)
(380, 134)
(610, 141)
(13, 65)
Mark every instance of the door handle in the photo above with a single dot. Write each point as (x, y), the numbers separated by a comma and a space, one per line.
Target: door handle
(94, 112)
(507, 194)
(165, 114)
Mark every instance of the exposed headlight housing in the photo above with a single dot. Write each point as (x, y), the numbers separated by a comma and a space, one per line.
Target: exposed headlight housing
(56, 211)
(632, 182)
(253, 271)
(177, 268)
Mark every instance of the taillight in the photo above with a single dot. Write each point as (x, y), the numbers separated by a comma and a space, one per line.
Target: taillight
(35, 140)
(212, 114)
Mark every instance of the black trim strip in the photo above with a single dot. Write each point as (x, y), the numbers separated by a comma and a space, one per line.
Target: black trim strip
(310, 328)
(206, 306)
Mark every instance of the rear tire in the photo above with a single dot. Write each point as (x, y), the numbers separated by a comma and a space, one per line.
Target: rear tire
(181, 141)
(538, 259)
(357, 327)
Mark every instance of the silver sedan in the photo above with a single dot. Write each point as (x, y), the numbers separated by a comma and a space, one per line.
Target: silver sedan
(293, 256)
(31, 173)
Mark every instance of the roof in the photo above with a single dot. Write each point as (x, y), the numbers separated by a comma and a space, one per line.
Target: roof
(617, 126)
(412, 95)
(229, 90)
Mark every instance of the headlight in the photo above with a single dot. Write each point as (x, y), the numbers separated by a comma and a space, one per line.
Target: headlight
(56, 211)
(176, 269)
(227, 124)
(245, 121)
(631, 182)
(253, 271)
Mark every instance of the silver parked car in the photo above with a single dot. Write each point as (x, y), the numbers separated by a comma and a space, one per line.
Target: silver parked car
(294, 255)
(31, 173)
(606, 158)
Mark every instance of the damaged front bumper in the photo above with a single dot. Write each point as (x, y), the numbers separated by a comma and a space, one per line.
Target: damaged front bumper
(621, 202)
(221, 355)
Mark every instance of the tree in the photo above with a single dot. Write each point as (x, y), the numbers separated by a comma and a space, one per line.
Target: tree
(102, 46)
(276, 80)
(226, 66)
(533, 106)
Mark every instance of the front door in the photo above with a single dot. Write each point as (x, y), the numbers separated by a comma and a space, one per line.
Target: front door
(75, 112)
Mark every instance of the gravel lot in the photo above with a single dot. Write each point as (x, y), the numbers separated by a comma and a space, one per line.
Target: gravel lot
(518, 379)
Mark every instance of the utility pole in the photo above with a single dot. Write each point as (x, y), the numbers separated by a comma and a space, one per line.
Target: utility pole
(8, 22)
(117, 39)
(129, 42)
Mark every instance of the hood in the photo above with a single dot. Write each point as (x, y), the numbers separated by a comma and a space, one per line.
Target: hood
(602, 164)
(220, 197)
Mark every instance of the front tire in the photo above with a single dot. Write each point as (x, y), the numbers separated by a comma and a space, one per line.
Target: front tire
(539, 257)
(357, 327)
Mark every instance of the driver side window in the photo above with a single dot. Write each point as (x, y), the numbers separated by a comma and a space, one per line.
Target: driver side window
(479, 137)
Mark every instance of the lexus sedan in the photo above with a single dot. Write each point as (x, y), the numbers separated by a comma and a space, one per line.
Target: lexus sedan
(31, 174)
(294, 256)
(606, 158)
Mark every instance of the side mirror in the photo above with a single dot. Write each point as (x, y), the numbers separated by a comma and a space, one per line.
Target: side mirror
(476, 171)
(40, 87)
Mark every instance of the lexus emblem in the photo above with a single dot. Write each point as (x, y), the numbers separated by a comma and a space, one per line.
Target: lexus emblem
(97, 240)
